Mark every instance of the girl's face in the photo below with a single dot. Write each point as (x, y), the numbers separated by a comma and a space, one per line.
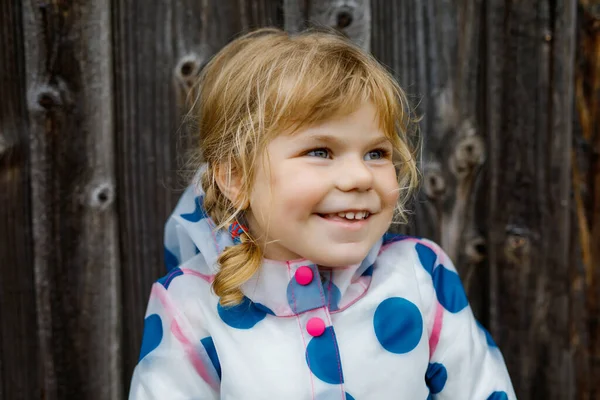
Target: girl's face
(325, 193)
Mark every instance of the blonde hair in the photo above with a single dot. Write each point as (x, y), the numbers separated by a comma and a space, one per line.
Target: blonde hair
(268, 82)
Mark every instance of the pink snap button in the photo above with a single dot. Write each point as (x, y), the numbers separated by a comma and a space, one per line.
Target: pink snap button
(315, 327)
(304, 275)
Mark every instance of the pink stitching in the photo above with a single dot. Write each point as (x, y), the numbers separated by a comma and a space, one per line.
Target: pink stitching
(312, 384)
(196, 361)
(207, 278)
(161, 294)
(436, 330)
(337, 353)
(363, 294)
(295, 310)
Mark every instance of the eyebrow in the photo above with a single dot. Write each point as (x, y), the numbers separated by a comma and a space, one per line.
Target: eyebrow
(336, 141)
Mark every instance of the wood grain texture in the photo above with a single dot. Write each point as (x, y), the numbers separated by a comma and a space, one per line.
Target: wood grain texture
(350, 17)
(530, 51)
(19, 376)
(585, 162)
(159, 49)
(69, 87)
(434, 56)
(91, 136)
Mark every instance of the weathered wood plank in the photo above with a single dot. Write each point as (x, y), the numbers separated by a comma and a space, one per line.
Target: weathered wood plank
(586, 187)
(18, 330)
(159, 49)
(68, 64)
(529, 73)
(351, 17)
(434, 53)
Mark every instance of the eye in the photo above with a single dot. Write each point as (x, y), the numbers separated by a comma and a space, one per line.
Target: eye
(320, 153)
(377, 154)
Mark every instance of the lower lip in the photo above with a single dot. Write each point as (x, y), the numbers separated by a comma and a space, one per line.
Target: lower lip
(347, 224)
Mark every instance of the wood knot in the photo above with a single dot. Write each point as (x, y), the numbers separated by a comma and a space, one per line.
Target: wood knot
(469, 154)
(46, 98)
(476, 249)
(343, 19)
(517, 247)
(102, 196)
(49, 98)
(434, 184)
(187, 69)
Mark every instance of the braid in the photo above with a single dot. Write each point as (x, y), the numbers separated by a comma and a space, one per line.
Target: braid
(238, 263)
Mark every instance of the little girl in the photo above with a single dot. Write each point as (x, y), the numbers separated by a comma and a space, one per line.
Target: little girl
(282, 281)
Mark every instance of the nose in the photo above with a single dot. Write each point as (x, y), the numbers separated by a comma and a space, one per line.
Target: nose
(354, 174)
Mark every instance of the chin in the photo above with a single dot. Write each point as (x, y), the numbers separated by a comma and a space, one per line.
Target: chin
(343, 260)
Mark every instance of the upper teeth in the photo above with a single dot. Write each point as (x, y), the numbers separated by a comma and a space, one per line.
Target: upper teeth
(354, 215)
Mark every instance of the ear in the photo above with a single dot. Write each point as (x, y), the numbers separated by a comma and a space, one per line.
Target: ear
(230, 184)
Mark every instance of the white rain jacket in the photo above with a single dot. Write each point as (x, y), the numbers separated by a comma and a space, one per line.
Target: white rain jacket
(397, 326)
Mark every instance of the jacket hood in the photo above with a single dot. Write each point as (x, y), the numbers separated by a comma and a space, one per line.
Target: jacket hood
(190, 233)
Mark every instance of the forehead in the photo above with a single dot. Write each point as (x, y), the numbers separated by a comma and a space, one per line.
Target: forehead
(365, 118)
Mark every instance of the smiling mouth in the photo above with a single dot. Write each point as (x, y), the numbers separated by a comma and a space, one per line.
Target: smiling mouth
(349, 216)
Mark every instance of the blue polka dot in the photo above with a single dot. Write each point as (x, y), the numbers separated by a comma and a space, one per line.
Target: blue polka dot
(498, 396)
(209, 346)
(263, 308)
(322, 358)
(436, 377)
(389, 238)
(449, 289)
(167, 279)
(244, 315)
(198, 212)
(153, 333)
(488, 336)
(303, 298)
(348, 397)
(398, 325)
(426, 256)
(171, 260)
(332, 295)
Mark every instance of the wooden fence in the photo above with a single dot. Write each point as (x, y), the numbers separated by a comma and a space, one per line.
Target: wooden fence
(89, 120)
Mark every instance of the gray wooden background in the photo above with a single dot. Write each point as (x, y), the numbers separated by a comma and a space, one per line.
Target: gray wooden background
(90, 95)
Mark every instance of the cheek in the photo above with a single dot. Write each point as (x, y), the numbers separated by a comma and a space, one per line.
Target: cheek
(298, 189)
(390, 189)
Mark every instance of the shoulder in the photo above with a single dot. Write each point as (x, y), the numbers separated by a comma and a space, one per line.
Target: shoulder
(433, 268)
(183, 291)
(427, 254)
